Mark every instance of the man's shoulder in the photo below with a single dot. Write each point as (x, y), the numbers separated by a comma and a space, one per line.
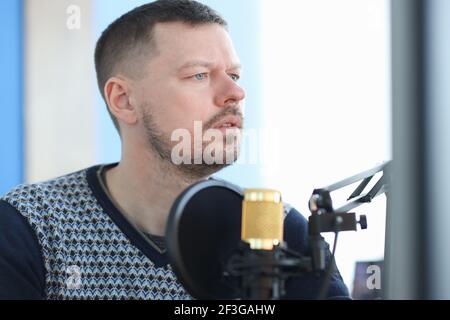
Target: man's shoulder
(29, 197)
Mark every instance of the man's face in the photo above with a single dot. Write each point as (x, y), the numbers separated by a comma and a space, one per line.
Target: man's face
(192, 77)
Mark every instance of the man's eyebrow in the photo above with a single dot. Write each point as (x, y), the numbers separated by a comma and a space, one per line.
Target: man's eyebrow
(205, 64)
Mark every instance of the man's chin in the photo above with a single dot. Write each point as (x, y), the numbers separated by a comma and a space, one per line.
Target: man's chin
(208, 164)
(198, 171)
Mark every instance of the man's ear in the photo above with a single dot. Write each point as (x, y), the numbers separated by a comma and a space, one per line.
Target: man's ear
(117, 94)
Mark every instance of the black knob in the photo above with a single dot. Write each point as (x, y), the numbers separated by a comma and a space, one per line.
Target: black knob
(363, 221)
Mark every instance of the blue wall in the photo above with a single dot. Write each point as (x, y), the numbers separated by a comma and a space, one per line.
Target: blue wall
(11, 121)
(108, 141)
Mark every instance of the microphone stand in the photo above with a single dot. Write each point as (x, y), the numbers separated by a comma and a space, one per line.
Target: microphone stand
(263, 273)
(324, 218)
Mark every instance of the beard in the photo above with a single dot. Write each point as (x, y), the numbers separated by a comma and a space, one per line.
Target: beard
(160, 144)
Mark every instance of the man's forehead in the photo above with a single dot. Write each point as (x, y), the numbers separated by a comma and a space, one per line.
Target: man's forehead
(206, 45)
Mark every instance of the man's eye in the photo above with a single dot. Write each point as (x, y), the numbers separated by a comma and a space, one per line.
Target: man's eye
(235, 77)
(200, 76)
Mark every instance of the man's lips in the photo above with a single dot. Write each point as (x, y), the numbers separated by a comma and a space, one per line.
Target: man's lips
(229, 122)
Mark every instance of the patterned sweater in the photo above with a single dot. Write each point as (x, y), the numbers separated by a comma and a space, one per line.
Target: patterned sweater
(66, 239)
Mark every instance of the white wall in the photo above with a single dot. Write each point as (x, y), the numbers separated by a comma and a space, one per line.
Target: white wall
(326, 91)
(59, 100)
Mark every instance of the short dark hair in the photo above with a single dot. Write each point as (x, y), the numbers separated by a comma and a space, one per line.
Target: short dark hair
(131, 36)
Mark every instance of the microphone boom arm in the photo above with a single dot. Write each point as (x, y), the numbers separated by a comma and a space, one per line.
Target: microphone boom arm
(320, 199)
(324, 218)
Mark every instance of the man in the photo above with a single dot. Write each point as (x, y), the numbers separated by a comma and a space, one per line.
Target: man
(99, 232)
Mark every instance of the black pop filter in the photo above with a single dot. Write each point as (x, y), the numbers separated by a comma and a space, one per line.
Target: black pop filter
(203, 231)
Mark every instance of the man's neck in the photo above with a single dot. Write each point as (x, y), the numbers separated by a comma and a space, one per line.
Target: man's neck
(145, 190)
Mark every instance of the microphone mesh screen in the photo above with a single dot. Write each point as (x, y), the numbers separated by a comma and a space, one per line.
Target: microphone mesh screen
(262, 215)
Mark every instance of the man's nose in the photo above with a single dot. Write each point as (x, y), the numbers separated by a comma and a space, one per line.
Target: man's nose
(229, 93)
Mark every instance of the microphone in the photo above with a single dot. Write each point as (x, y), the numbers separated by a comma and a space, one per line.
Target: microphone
(258, 260)
(227, 243)
(262, 218)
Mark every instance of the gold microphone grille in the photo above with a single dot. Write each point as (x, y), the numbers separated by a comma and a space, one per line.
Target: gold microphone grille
(262, 218)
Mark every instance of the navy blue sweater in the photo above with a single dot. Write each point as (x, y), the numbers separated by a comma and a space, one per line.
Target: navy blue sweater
(65, 239)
